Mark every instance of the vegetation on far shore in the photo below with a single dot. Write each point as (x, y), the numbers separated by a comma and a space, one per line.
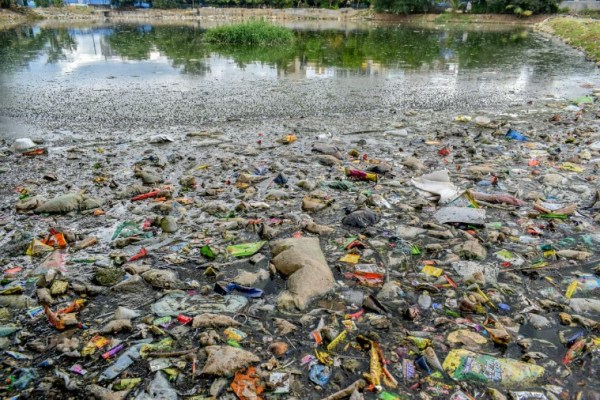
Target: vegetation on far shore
(253, 33)
(518, 7)
(578, 32)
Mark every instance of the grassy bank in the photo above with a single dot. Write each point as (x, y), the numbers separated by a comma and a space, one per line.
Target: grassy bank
(582, 33)
(253, 33)
(462, 18)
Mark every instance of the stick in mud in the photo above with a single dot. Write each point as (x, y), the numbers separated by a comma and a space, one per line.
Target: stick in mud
(347, 392)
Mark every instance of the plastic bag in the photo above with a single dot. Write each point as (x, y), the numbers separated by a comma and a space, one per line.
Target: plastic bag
(464, 365)
(515, 135)
(124, 361)
(361, 219)
(437, 183)
(246, 385)
(245, 249)
(244, 290)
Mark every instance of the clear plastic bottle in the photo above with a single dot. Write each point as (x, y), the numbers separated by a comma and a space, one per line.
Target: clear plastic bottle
(424, 300)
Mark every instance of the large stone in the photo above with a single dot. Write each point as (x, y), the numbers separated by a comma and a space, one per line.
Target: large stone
(328, 161)
(389, 291)
(472, 271)
(553, 180)
(132, 284)
(472, 250)
(109, 276)
(208, 320)
(408, 232)
(317, 229)
(168, 224)
(483, 169)
(226, 360)
(161, 278)
(413, 163)
(309, 275)
(247, 278)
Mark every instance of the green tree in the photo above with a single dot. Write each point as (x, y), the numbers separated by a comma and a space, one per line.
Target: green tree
(509, 6)
(404, 6)
(7, 3)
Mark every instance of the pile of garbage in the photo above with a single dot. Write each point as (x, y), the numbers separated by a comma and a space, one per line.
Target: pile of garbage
(458, 263)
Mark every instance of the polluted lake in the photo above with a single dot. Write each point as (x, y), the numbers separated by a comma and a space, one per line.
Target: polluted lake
(368, 212)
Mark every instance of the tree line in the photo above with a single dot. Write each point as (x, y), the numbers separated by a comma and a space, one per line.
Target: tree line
(520, 7)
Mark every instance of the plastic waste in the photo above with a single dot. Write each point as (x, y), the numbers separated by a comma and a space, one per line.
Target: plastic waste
(123, 361)
(461, 214)
(8, 330)
(319, 374)
(25, 377)
(244, 290)
(360, 175)
(464, 365)
(158, 388)
(437, 183)
(361, 219)
(246, 385)
(245, 249)
(424, 300)
(23, 144)
(515, 135)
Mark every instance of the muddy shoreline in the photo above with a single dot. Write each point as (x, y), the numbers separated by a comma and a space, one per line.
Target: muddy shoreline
(222, 208)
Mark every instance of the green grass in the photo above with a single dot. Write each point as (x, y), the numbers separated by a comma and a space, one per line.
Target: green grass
(253, 33)
(578, 32)
(453, 17)
(589, 13)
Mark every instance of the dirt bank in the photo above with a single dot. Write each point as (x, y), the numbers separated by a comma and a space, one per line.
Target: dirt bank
(204, 13)
(460, 18)
(210, 13)
(9, 19)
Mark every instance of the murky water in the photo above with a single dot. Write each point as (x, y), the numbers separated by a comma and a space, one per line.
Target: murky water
(151, 76)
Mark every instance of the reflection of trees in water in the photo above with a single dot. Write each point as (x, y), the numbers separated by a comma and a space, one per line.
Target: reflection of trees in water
(181, 45)
(355, 51)
(60, 43)
(21, 45)
(130, 43)
(486, 49)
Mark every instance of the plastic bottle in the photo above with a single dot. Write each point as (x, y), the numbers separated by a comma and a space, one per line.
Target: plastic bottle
(424, 300)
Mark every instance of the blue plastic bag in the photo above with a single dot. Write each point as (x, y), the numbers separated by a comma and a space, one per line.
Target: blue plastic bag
(244, 290)
(319, 374)
(516, 135)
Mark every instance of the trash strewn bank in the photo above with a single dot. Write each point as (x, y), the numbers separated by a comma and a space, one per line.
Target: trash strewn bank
(456, 263)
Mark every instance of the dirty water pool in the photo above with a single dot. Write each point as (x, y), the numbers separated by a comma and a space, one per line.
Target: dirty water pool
(127, 77)
(108, 100)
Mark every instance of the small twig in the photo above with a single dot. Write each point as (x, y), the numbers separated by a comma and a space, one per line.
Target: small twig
(485, 203)
(178, 353)
(363, 132)
(347, 392)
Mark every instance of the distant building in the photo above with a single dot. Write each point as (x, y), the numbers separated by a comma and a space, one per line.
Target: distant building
(580, 5)
(94, 3)
(102, 3)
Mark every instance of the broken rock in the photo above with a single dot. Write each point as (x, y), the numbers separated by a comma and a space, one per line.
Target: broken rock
(309, 275)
